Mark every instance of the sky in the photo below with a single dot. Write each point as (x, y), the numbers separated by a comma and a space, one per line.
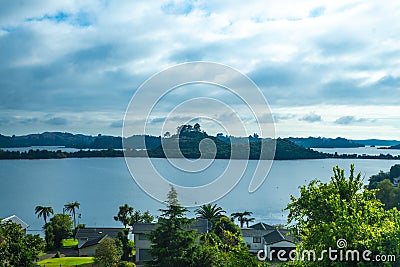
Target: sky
(326, 68)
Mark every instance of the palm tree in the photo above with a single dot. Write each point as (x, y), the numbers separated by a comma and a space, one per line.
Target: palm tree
(44, 212)
(125, 214)
(241, 216)
(247, 220)
(210, 212)
(71, 207)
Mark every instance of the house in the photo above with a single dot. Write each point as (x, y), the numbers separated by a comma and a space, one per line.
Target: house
(262, 236)
(16, 220)
(142, 244)
(90, 238)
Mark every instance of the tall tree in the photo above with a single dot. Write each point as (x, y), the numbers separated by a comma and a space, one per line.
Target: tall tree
(210, 212)
(125, 215)
(248, 220)
(241, 216)
(172, 243)
(44, 212)
(72, 207)
(325, 213)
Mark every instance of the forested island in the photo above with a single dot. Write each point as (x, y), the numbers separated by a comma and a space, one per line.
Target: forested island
(187, 142)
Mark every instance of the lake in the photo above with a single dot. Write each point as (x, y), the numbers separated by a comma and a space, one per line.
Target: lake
(101, 185)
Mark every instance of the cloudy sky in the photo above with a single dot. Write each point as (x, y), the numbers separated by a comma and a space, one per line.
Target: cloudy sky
(327, 68)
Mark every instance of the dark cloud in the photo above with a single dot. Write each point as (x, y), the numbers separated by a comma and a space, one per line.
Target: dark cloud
(56, 121)
(347, 120)
(117, 124)
(312, 117)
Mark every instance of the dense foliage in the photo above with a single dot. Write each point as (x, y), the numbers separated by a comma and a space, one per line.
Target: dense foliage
(340, 209)
(59, 228)
(108, 252)
(16, 248)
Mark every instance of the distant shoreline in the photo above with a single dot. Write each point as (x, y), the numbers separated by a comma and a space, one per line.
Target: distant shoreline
(111, 153)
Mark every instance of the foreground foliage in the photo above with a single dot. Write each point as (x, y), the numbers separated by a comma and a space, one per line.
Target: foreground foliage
(16, 248)
(340, 209)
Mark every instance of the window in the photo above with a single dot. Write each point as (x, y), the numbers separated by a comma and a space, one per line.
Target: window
(256, 239)
(142, 237)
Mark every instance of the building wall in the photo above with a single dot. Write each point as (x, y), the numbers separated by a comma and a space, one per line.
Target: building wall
(141, 244)
(254, 246)
(88, 251)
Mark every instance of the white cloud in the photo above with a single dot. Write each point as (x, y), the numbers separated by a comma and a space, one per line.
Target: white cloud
(302, 54)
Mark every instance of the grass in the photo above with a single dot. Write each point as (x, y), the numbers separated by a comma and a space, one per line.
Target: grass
(69, 243)
(66, 261)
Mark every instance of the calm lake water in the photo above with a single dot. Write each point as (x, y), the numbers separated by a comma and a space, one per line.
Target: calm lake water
(101, 185)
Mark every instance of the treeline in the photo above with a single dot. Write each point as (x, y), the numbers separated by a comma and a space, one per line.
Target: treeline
(79, 141)
(46, 154)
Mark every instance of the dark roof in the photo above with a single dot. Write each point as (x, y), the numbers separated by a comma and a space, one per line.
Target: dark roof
(278, 235)
(262, 226)
(249, 232)
(93, 242)
(200, 225)
(94, 235)
(16, 220)
(143, 228)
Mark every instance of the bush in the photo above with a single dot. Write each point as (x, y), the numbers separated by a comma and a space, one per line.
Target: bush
(126, 264)
(58, 255)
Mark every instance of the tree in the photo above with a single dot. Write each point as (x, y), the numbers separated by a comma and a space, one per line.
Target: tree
(327, 212)
(388, 194)
(210, 212)
(16, 248)
(44, 212)
(225, 224)
(128, 246)
(196, 127)
(146, 217)
(72, 207)
(59, 228)
(172, 243)
(247, 221)
(172, 197)
(124, 215)
(108, 253)
(374, 180)
(394, 172)
(241, 216)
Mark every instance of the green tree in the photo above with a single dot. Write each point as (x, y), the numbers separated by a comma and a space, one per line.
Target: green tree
(72, 207)
(340, 209)
(59, 228)
(128, 246)
(241, 216)
(248, 220)
(44, 212)
(108, 253)
(225, 224)
(16, 248)
(146, 217)
(374, 180)
(394, 172)
(210, 212)
(124, 215)
(172, 243)
(388, 194)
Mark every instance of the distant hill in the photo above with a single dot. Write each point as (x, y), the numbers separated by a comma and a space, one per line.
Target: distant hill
(321, 142)
(78, 141)
(187, 144)
(377, 142)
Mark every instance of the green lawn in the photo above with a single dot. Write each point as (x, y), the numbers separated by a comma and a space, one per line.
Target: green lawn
(66, 261)
(69, 243)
